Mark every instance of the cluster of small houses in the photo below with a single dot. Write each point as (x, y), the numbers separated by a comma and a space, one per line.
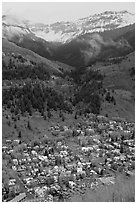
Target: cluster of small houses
(54, 172)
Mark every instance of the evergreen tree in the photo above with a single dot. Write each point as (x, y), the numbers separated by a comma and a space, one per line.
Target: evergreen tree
(49, 114)
(19, 135)
(9, 123)
(29, 126)
(75, 115)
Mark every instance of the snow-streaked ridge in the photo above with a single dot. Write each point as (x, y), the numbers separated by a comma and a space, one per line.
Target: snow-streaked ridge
(66, 31)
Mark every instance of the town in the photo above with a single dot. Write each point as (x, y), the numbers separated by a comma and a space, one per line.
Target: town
(76, 158)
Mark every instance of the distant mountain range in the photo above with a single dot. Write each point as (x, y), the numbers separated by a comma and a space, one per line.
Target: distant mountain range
(66, 31)
(77, 43)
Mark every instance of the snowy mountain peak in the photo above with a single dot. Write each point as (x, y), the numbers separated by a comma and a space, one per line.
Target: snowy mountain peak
(66, 31)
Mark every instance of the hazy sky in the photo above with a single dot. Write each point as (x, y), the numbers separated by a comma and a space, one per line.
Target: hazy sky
(64, 11)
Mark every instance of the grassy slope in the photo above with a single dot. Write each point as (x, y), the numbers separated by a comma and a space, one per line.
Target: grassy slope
(117, 78)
